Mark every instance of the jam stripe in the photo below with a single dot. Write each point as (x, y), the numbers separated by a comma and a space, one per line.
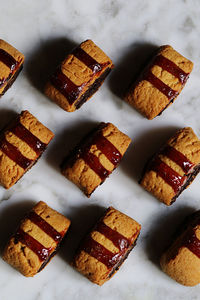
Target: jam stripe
(176, 156)
(41, 251)
(25, 135)
(93, 162)
(44, 226)
(161, 86)
(99, 252)
(87, 60)
(192, 242)
(8, 60)
(65, 86)
(172, 68)
(108, 149)
(117, 239)
(14, 154)
(167, 174)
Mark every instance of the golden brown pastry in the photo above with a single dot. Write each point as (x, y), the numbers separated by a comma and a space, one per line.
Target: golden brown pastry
(94, 159)
(21, 144)
(36, 240)
(174, 167)
(79, 76)
(160, 82)
(11, 63)
(181, 260)
(106, 247)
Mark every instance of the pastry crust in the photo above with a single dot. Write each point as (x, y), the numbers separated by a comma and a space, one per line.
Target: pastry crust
(11, 62)
(20, 255)
(186, 143)
(146, 97)
(100, 269)
(21, 144)
(181, 260)
(83, 76)
(81, 172)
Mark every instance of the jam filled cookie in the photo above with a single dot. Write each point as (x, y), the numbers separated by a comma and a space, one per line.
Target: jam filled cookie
(79, 76)
(106, 247)
(94, 159)
(181, 260)
(21, 144)
(11, 63)
(36, 240)
(174, 167)
(160, 82)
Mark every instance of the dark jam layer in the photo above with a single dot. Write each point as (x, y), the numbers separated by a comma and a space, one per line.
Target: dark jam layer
(180, 159)
(161, 86)
(172, 68)
(92, 89)
(46, 227)
(14, 154)
(65, 86)
(87, 60)
(192, 242)
(8, 60)
(10, 80)
(102, 254)
(25, 135)
(167, 174)
(106, 147)
(93, 162)
(42, 252)
(185, 236)
(170, 176)
(118, 239)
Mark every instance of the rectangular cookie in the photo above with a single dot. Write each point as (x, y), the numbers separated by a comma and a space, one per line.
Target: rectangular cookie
(94, 159)
(21, 144)
(160, 82)
(79, 76)
(11, 63)
(181, 260)
(106, 247)
(36, 240)
(174, 167)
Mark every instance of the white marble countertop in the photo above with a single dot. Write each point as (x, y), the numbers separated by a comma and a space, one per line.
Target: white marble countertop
(128, 32)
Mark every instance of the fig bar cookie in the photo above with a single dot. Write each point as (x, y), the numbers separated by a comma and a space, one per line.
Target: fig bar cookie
(181, 260)
(94, 159)
(107, 246)
(11, 63)
(174, 167)
(79, 76)
(160, 82)
(36, 240)
(21, 144)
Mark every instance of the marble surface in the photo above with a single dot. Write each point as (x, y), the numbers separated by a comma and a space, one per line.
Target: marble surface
(128, 31)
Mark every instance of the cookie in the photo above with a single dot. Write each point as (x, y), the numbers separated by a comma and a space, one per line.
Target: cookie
(79, 76)
(96, 156)
(174, 167)
(160, 82)
(106, 247)
(36, 240)
(22, 142)
(181, 260)
(11, 63)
